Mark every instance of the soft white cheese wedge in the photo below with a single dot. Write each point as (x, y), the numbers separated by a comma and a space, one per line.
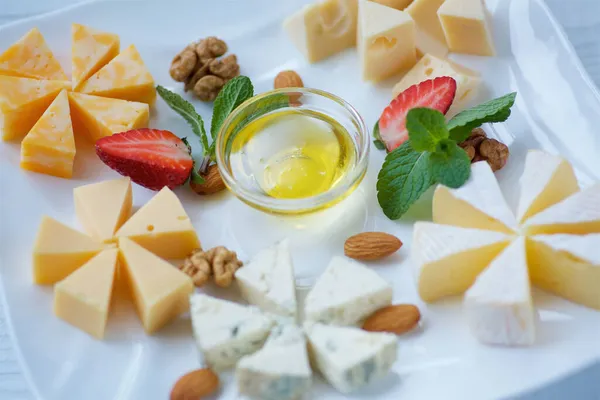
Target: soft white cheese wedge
(268, 280)
(479, 203)
(346, 293)
(280, 370)
(578, 214)
(498, 306)
(350, 358)
(546, 180)
(226, 331)
(447, 259)
(568, 266)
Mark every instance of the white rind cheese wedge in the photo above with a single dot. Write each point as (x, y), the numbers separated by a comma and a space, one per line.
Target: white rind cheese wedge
(280, 370)
(226, 331)
(578, 214)
(447, 259)
(465, 25)
(498, 306)
(568, 266)
(267, 281)
(346, 293)
(350, 358)
(546, 180)
(479, 203)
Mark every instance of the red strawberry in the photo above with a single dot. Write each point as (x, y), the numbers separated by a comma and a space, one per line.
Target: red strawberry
(151, 158)
(435, 93)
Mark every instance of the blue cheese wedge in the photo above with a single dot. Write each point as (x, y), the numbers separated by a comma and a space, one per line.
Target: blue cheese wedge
(350, 358)
(267, 281)
(346, 293)
(227, 331)
(280, 370)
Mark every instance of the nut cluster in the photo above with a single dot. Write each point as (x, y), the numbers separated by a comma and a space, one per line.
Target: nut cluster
(217, 262)
(201, 69)
(481, 148)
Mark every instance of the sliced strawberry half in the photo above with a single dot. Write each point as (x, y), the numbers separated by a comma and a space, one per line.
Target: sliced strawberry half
(435, 93)
(151, 158)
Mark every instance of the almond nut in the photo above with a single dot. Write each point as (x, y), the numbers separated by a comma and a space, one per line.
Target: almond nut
(396, 319)
(287, 79)
(371, 245)
(213, 182)
(195, 385)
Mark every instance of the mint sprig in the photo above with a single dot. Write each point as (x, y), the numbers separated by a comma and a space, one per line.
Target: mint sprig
(377, 137)
(426, 128)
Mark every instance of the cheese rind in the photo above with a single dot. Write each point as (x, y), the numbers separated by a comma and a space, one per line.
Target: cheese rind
(83, 298)
(466, 27)
(346, 293)
(226, 331)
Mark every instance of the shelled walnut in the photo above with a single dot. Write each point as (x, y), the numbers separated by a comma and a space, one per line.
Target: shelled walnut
(481, 148)
(218, 262)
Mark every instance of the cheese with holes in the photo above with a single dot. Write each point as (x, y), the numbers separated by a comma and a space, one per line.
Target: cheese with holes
(162, 226)
(97, 117)
(479, 203)
(90, 50)
(22, 103)
(430, 35)
(324, 28)
(386, 41)
(60, 250)
(466, 27)
(124, 77)
(498, 306)
(83, 298)
(30, 57)
(49, 147)
(568, 266)
(103, 207)
(159, 291)
(447, 259)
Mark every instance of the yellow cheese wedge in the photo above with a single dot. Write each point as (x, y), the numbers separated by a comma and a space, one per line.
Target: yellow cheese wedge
(103, 207)
(30, 57)
(90, 50)
(397, 4)
(60, 250)
(125, 77)
(162, 226)
(83, 298)
(159, 290)
(22, 103)
(430, 35)
(49, 148)
(97, 117)
(466, 27)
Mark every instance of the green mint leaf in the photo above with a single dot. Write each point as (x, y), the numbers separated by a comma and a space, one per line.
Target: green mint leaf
(426, 127)
(187, 111)
(234, 93)
(195, 177)
(377, 137)
(379, 144)
(404, 177)
(497, 110)
(449, 164)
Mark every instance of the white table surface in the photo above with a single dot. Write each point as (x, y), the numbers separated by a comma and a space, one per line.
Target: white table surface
(581, 22)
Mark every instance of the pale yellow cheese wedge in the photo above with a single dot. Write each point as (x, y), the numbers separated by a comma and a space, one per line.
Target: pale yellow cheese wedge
(49, 148)
(22, 103)
(159, 290)
(430, 35)
(162, 226)
(97, 117)
(90, 50)
(83, 298)
(125, 77)
(103, 207)
(466, 27)
(397, 4)
(30, 57)
(60, 250)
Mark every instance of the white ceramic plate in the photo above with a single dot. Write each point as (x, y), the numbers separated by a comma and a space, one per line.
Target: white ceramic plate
(557, 109)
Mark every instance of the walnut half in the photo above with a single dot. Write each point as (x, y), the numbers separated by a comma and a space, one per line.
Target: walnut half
(218, 262)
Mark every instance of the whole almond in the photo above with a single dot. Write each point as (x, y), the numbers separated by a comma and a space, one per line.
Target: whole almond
(396, 319)
(371, 245)
(195, 385)
(287, 79)
(213, 182)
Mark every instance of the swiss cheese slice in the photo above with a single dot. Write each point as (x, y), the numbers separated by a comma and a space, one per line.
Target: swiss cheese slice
(49, 148)
(159, 291)
(430, 35)
(124, 77)
(60, 250)
(22, 103)
(102, 208)
(466, 27)
(30, 57)
(447, 259)
(162, 226)
(97, 117)
(83, 298)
